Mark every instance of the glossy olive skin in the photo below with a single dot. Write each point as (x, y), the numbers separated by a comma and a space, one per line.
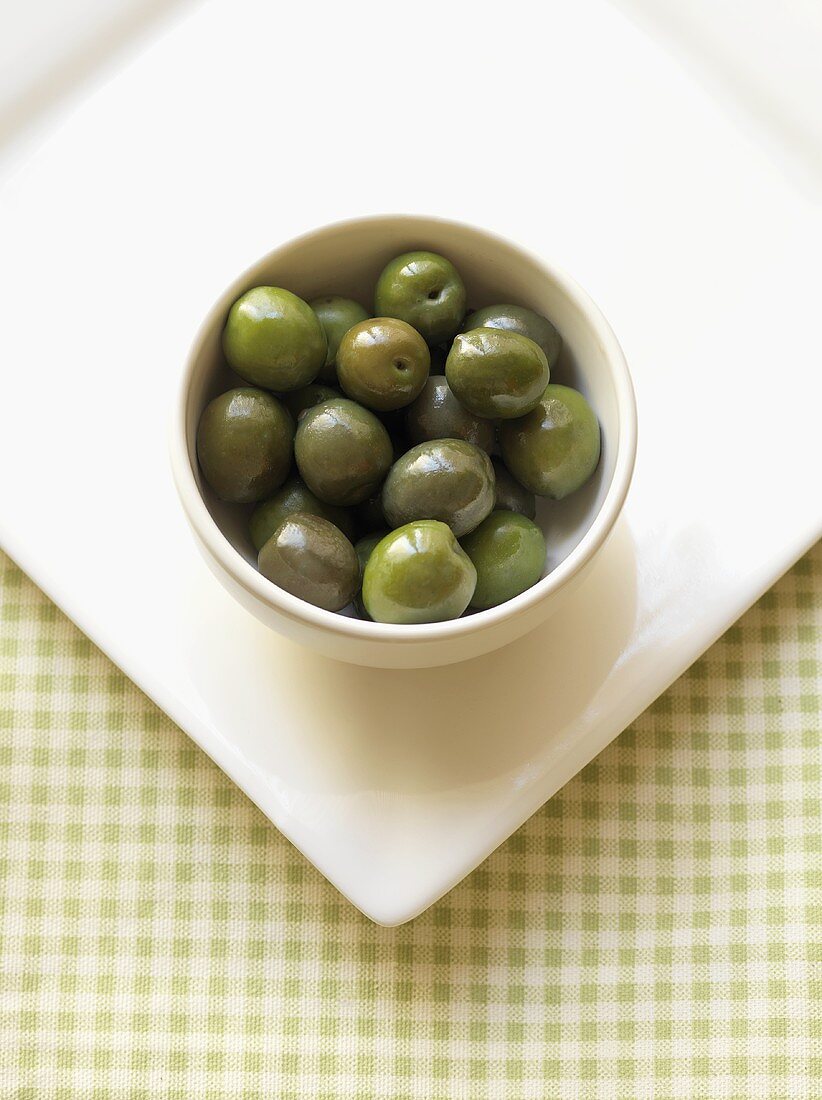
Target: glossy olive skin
(425, 290)
(383, 363)
(508, 552)
(363, 549)
(418, 574)
(336, 315)
(273, 339)
(444, 479)
(495, 373)
(245, 443)
(555, 448)
(294, 496)
(343, 452)
(436, 414)
(524, 321)
(311, 558)
(510, 495)
(305, 398)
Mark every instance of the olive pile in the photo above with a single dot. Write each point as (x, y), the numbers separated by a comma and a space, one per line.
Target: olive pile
(395, 503)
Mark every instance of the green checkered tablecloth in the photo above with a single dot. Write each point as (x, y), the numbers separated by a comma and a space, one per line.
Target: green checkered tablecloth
(654, 931)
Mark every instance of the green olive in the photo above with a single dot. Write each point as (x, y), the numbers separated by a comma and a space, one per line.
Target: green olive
(425, 290)
(555, 448)
(365, 546)
(363, 549)
(294, 496)
(524, 321)
(495, 373)
(336, 316)
(273, 339)
(244, 444)
(311, 558)
(305, 398)
(436, 414)
(443, 479)
(383, 363)
(508, 552)
(343, 452)
(510, 495)
(418, 574)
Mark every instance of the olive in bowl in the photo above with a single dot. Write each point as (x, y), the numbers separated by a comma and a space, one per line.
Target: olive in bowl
(444, 479)
(312, 559)
(495, 373)
(519, 319)
(418, 574)
(342, 451)
(425, 290)
(336, 315)
(555, 448)
(437, 414)
(383, 363)
(273, 339)
(575, 528)
(244, 444)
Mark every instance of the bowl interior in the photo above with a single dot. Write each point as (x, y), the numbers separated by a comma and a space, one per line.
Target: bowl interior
(346, 259)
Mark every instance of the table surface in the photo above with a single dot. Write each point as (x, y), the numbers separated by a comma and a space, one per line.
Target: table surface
(654, 930)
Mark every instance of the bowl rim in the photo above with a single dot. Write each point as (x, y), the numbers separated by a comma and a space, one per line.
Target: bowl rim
(297, 610)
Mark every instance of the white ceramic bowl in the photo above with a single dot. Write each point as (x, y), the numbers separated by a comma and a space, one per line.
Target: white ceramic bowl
(346, 258)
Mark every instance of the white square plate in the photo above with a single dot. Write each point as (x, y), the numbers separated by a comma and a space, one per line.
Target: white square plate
(563, 127)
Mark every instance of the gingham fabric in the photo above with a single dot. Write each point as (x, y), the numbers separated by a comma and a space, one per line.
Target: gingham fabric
(655, 931)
